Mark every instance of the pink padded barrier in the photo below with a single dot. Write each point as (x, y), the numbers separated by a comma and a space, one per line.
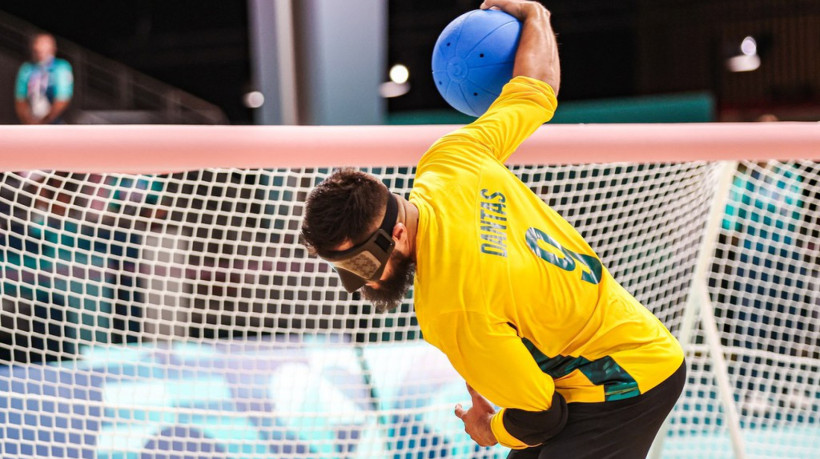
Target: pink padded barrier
(164, 148)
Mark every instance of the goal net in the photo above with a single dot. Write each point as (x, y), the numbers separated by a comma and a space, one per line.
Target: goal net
(177, 314)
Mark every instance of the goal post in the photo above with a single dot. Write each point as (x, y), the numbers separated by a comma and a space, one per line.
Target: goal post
(156, 299)
(698, 305)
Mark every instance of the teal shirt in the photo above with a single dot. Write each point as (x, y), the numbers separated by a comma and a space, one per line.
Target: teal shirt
(53, 80)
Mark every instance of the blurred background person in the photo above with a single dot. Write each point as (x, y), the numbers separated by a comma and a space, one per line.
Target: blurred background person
(44, 85)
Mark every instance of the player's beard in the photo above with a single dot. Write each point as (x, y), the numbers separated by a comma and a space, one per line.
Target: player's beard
(392, 290)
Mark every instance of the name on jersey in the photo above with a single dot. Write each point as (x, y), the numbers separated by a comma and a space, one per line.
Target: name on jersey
(493, 223)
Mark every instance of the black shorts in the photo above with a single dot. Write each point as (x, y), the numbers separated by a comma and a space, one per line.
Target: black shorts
(621, 429)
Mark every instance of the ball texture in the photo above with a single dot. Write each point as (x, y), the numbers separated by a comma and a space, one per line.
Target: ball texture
(473, 59)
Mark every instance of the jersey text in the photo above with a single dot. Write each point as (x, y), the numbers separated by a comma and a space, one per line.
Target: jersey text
(493, 223)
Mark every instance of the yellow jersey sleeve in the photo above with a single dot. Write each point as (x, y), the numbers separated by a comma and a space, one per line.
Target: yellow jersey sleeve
(497, 364)
(503, 437)
(522, 107)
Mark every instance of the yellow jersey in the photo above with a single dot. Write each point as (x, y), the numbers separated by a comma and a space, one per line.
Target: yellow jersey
(509, 290)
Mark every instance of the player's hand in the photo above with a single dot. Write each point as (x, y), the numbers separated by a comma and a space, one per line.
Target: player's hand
(537, 53)
(519, 9)
(477, 419)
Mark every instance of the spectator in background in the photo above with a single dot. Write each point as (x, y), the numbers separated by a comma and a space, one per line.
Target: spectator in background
(44, 85)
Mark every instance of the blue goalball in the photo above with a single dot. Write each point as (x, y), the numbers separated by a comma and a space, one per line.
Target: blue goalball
(473, 59)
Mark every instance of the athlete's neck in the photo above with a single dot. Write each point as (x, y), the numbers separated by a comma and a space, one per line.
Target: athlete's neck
(411, 222)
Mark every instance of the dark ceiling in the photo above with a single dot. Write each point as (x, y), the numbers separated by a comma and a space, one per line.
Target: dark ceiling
(608, 49)
(597, 46)
(200, 46)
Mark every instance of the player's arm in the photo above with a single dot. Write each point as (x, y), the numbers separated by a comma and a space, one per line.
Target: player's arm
(528, 100)
(537, 54)
(516, 428)
(494, 361)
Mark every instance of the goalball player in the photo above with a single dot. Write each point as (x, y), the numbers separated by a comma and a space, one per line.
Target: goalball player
(503, 285)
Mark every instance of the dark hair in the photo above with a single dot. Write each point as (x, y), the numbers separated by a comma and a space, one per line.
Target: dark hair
(344, 206)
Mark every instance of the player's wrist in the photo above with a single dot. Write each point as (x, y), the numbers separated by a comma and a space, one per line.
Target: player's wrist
(530, 10)
(486, 432)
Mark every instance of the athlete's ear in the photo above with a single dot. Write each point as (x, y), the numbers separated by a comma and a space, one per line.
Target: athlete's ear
(399, 231)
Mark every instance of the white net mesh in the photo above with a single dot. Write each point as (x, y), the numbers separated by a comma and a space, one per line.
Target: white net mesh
(173, 315)
(766, 300)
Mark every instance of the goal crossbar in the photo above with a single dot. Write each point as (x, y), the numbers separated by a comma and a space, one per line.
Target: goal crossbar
(163, 148)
